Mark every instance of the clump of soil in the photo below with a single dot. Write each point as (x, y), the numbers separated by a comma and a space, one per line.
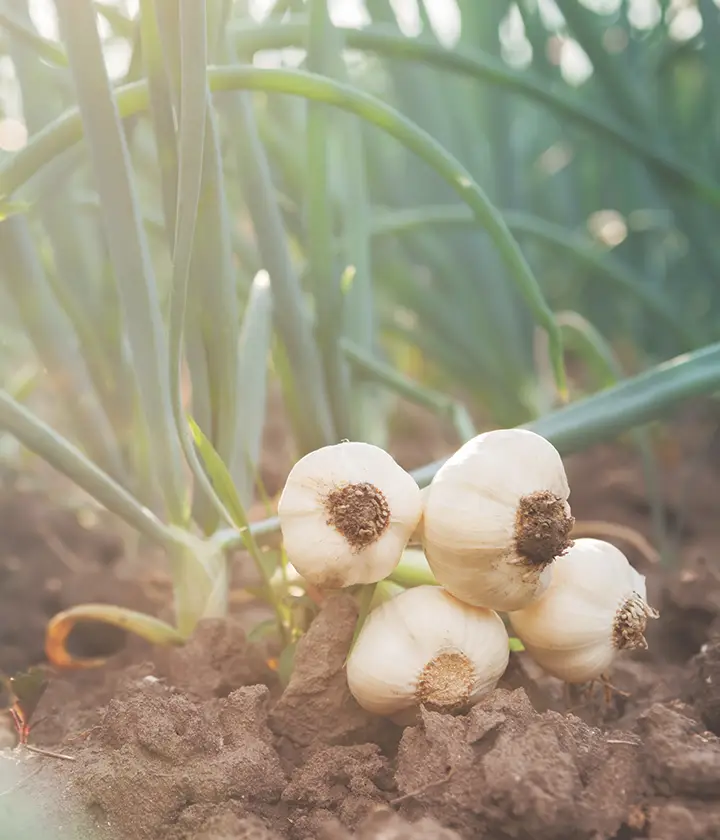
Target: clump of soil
(705, 686)
(217, 659)
(317, 708)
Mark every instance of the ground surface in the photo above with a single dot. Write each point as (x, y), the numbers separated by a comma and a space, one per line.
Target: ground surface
(202, 743)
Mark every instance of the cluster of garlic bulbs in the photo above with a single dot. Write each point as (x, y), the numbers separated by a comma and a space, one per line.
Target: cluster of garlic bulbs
(495, 528)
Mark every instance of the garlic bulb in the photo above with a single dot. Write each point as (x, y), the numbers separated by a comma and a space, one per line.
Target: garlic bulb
(425, 647)
(496, 516)
(594, 608)
(346, 513)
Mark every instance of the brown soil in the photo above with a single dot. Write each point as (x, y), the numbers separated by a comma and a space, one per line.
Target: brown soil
(201, 743)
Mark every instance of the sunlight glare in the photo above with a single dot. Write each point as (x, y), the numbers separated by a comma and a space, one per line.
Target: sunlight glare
(685, 24)
(515, 47)
(644, 14)
(575, 65)
(408, 16)
(445, 18)
(44, 17)
(13, 135)
(608, 227)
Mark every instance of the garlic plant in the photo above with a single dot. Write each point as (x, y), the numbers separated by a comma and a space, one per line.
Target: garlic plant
(346, 513)
(496, 516)
(425, 647)
(594, 608)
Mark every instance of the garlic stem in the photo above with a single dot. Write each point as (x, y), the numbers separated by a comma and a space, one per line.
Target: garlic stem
(413, 570)
(385, 590)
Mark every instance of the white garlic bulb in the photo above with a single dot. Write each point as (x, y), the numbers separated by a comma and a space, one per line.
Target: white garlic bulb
(346, 513)
(594, 608)
(425, 647)
(496, 516)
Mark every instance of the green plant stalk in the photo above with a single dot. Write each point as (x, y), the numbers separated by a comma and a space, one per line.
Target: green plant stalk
(413, 570)
(225, 490)
(121, 25)
(622, 88)
(133, 98)
(349, 204)
(52, 337)
(313, 424)
(253, 352)
(193, 114)
(24, 382)
(201, 580)
(183, 30)
(126, 243)
(76, 263)
(321, 258)
(481, 23)
(274, 35)
(595, 349)
(448, 334)
(47, 50)
(197, 566)
(145, 626)
(368, 409)
(631, 403)
(161, 113)
(210, 310)
(387, 42)
(578, 247)
(385, 590)
(433, 102)
(68, 460)
(369, 368)
(217, 303)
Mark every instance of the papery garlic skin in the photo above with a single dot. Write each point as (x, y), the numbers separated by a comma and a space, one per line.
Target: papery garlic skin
(496, 515)
(595, 607)
(425, 647)
(346, 513)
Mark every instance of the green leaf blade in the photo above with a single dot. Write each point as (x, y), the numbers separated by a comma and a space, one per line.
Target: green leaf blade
(128, 248)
